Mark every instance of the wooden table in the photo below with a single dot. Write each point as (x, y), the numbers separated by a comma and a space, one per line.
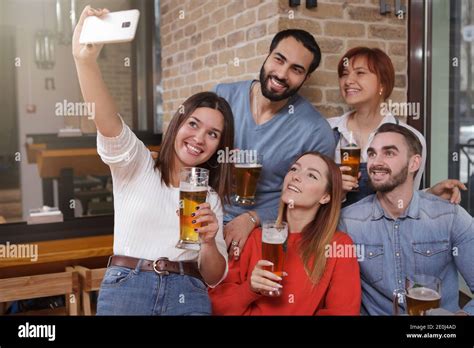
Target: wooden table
(63, 165)
(84, 161)
(32, 151)
(56, 255)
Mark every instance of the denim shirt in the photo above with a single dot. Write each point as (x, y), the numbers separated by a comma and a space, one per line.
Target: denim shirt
(432, 237)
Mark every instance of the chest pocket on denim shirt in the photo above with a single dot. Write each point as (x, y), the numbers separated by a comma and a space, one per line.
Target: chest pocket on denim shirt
(431, 257)
(372, 265)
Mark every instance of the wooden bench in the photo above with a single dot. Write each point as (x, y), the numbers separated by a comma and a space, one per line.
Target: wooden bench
(55, 255)
(54, 284)
(90, 280)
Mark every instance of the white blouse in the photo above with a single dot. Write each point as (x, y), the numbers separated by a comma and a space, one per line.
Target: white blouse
(147, 211)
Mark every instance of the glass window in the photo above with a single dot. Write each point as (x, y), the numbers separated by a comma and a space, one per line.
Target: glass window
(461, 107)
(47, 140)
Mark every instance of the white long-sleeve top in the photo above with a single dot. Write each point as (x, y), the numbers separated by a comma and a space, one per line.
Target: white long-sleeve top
(146, 211)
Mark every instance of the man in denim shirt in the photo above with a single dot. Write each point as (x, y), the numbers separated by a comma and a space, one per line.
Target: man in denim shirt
(404, 232)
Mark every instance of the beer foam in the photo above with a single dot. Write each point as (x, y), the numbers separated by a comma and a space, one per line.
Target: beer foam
(350, 148)
(186, 186)
(274, 236)
(423, 294)
(248, 165)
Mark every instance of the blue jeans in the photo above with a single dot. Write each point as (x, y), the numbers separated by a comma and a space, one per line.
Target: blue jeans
(126, 291)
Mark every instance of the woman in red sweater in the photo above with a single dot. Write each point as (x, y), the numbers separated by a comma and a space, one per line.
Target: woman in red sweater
(319, 280)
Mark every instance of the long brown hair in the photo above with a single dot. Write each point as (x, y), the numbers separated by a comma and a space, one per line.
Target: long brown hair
(220, 174)
(319, 233)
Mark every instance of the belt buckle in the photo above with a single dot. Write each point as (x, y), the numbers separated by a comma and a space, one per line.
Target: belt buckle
(155, 263)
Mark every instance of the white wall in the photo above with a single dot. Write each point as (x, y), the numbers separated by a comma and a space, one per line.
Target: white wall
(27, 17)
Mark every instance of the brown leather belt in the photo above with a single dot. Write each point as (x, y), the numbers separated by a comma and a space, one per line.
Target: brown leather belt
(162, 266)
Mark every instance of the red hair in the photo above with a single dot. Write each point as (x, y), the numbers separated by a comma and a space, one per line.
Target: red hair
(378, 63)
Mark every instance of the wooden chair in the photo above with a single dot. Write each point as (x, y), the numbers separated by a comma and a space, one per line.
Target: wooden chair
(90, 280)
(44, 285)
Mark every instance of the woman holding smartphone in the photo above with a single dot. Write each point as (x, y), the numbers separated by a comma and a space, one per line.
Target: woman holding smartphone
(148, 275)
(318, 280)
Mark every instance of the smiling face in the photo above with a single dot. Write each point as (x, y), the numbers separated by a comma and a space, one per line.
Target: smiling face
(389, 162)
(199, 137)
(358, 85)
(285, 69)
(306, 183)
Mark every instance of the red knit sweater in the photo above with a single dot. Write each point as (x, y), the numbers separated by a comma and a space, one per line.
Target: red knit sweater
(337, 293)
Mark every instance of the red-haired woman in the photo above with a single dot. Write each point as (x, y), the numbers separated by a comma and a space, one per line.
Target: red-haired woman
(366, 81)
(318, 281)
(148, 275)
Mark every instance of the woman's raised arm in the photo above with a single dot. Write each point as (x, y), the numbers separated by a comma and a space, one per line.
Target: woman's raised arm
(93, 87)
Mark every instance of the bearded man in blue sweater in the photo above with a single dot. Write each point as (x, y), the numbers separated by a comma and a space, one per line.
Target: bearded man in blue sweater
(272, 119)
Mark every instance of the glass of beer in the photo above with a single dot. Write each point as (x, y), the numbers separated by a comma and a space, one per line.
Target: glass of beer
(247, 171)
(193, 187)
(422, 292)
(350, 154)
(274, 238)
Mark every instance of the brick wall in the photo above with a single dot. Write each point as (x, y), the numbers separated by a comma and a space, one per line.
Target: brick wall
(210, 41)
(339, 26)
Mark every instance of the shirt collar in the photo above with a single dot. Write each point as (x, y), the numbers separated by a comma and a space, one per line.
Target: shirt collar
(341, 122)
(377, 210)
(412, 212)
(414, 208)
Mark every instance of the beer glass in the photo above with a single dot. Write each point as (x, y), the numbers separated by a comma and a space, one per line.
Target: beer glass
(193, 186)
(247, 172)
(274, 238)
(350, 154)
(421, 293)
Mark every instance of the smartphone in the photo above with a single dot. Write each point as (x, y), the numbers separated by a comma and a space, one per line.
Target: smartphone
(114, 27)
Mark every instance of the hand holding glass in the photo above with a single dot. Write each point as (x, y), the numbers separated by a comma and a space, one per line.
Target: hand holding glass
(350, 154)
(193, 189)
(274, 238)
